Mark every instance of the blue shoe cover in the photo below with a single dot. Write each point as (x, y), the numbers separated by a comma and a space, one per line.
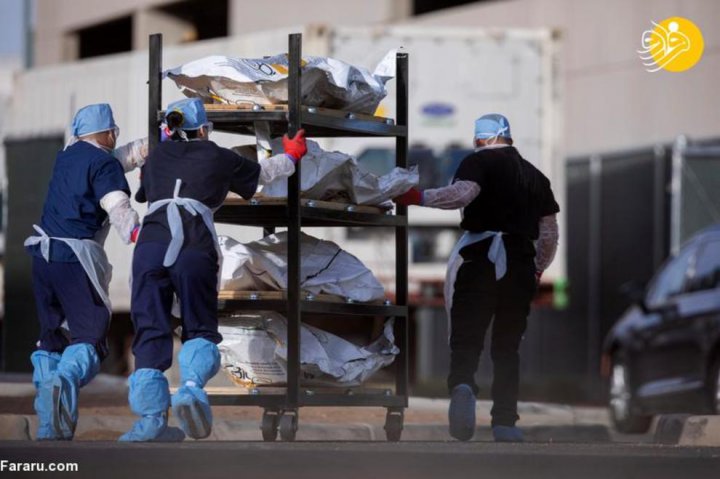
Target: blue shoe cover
(150, 399)
(199, 361)
(507, 434)
(65, 407)
(153, 429)
(78, 365)
(191, 407)
(44, 364)
(461, 414)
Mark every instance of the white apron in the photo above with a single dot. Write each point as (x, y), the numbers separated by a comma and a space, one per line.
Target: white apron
(496, 255)
(91, 255)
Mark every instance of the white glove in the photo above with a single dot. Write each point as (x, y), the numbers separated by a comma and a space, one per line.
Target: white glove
(133, 154)
(123, 218)
(278, 166)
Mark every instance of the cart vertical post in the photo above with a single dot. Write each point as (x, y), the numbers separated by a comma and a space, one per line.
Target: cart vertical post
(293, 291)
(401, 232)
(154, 89)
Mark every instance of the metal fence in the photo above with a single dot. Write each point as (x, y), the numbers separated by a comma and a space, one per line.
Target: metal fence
(626, 212)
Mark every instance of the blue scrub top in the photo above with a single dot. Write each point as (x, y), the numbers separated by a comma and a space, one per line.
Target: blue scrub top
(207, 172)
(82, 175)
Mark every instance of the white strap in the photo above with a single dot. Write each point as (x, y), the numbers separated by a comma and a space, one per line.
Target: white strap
(496, 254)
(43, 240)
(177, 235)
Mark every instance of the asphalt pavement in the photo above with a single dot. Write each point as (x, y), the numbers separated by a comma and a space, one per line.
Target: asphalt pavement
(363, 460)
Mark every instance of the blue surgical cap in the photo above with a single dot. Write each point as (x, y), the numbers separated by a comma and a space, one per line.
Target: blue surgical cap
(193, 112)
(492, 125)
(93, 119)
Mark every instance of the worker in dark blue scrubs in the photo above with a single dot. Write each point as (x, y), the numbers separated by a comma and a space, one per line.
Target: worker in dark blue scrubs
(184, 180)
(71, 272)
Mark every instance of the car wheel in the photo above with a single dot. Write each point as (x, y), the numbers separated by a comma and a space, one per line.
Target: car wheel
(622, 409)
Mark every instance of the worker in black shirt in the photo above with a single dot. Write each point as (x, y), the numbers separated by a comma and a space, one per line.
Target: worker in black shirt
(185, 179)
(509, 218)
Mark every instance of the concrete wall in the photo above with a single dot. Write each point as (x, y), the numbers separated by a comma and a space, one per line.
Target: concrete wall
(610, 101)
(246, 17)
(58, 19)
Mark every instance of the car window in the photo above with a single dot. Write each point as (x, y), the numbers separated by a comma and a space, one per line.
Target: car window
(706, 274)
(671, 279)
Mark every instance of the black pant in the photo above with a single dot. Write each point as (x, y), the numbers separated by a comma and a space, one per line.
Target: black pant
(477, 299)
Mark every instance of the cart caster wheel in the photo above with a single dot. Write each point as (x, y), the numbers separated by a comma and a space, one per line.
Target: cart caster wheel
(393, 425)
(269, 425)
(288, 426)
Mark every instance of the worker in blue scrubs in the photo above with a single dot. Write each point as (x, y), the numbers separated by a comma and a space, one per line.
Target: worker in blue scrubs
(87, 193)
(184, 180)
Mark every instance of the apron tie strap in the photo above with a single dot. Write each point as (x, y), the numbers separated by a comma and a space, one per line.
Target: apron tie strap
(43, 240)
(496, 255)
(177, 234)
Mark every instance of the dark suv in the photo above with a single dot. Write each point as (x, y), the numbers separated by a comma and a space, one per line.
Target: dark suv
(663, 356)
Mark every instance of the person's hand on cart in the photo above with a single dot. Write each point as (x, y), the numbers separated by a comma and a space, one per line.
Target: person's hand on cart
(413, 196)
(295, 147)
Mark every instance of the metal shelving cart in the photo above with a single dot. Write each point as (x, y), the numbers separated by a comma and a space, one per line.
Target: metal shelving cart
(281, 405)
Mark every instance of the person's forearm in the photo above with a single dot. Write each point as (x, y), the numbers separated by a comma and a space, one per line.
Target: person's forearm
(122, 216)
(274, 167)
(133, 154)
(547, 243)
(455, 196)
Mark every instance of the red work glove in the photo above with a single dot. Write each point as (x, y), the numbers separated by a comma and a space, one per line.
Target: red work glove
(295, 148)
(413, 196)
(165, 134)
(134, 234)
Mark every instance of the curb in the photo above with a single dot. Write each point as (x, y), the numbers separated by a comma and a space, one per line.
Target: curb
(701, 431)
(669, 428)
(109, 428)
(14, 427)
(687, 430)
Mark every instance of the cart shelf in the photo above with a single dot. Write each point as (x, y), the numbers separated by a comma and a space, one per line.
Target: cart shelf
(272, 212)
(317, 122)
(309, 396)
(233, 301)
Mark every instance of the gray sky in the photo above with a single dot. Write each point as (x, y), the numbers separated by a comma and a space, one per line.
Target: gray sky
(11, 28)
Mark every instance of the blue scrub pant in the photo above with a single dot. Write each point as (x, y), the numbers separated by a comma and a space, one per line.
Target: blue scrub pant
(63, 291)
(193, 278)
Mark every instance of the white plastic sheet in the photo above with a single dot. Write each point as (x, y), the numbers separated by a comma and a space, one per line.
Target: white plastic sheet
(333, 175)
(254, 353)
(326, 82)
(324, 268)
